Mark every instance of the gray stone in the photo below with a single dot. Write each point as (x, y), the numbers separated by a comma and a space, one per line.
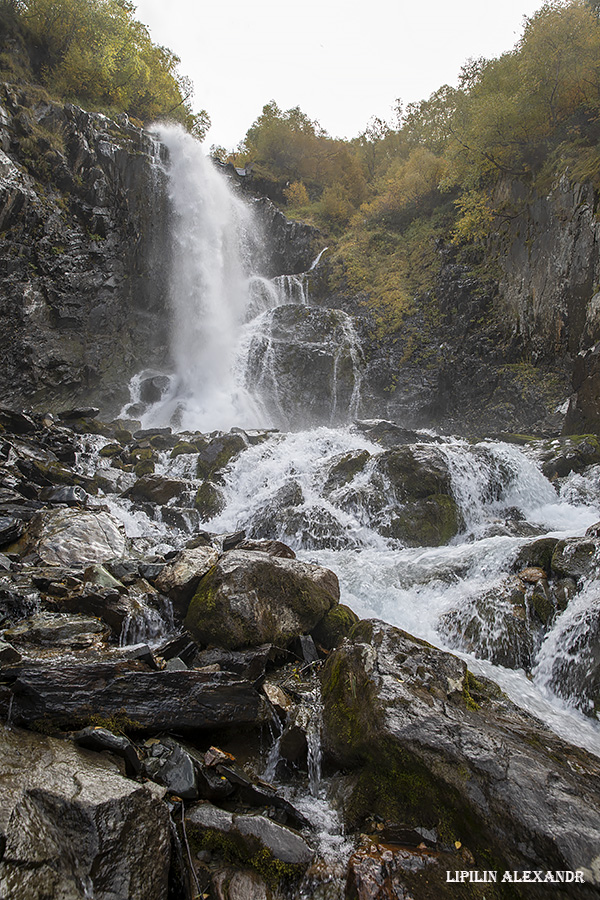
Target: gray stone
(75, 827)
(181, 576)
(252, 598)
(496, 776)
(282, 842)
(70, 537)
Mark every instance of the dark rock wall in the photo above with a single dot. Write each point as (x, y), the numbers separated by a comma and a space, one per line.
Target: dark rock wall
(84, 223)
(82, 242)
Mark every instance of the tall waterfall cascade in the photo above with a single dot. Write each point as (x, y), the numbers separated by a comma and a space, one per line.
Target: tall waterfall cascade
(224, 328)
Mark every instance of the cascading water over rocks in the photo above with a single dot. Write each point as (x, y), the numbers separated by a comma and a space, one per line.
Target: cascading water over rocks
(246, 350)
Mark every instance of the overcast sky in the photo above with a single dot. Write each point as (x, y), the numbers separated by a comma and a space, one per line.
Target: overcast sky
(341, 62)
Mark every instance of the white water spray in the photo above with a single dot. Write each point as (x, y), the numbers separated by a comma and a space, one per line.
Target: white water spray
(214, 233)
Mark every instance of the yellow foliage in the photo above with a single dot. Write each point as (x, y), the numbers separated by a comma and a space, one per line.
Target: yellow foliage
(296, 194)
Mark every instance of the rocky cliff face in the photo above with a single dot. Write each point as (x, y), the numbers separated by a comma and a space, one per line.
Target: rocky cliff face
(84, 222)
(502, 341)
(82, 242)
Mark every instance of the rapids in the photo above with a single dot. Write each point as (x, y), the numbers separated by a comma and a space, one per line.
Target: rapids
(224, 374)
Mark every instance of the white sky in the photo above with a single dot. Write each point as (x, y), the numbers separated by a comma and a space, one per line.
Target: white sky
(341, 62)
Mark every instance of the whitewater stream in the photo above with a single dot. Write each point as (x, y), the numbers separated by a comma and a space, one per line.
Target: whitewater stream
(223, 375)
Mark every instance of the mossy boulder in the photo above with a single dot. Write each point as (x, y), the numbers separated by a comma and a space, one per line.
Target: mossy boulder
(415, 473)
(209, 500)
(425, 523)
(252, 598)
(344, 468)
(213, 458)
(537, 554)
(155, 489)
(335, 626)
(426, 743)
(144, 467)
(181, 448)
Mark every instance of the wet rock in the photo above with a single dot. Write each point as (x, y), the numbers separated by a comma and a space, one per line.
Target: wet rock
(283, 843)
(209, 501)
(252, 830)
(213, 458)
(80, 412)
(70, 537)
(431, 743)
(334, 626)
(100, 739)
(186, 520)
(156, 489)
(236, 884)
(573, 672)
(179, 579)
(108, 604)
(168, 764)
(8, 654)
(250, 664)
(231, 541)
(564, 455)
(344, 468)
(153, 388)
(304, 648)
(252, 598)
(575, 558)
(11, 530)
(70, 495)
(147, 700)
(71, 819)
(379, 871)
(48, 629)
(16, 422)
(538, 554)
(495, 626)
(390, 435)
(273, 548)
(182, 647)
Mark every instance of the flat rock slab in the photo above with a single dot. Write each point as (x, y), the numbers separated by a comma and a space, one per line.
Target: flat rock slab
(72, 537)
(67, 697)
(75, 827)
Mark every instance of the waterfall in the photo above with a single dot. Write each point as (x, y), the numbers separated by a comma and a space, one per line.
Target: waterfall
(214, 235)
(233, 356)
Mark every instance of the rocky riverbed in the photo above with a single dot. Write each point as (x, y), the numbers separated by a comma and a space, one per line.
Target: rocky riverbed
(202, 716)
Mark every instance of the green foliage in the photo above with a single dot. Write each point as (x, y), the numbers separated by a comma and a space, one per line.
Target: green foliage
(95, 53)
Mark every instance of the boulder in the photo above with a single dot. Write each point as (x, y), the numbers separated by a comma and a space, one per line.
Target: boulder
(156, 489)
(140, 699)
(564, 455)
(252, 598)
(74, 827)
(213, 458)
(169, 764)
(209, 501)
(429, 743)
(334, 626)
(47, 629)
(181, 576)
(249, 833)
(100, 739)
(495, 626)
(575, 558)
(72, 537)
